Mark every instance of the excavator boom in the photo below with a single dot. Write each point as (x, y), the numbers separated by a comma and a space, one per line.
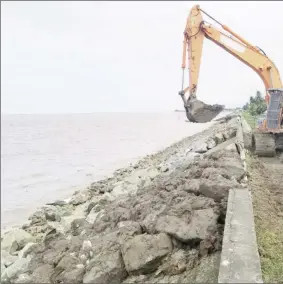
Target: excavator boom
(195, 31)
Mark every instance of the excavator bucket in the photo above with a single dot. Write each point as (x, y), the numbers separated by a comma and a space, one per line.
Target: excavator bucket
(198, 111)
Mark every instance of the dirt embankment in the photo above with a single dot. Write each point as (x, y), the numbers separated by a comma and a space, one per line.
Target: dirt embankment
(160, 220)
(266, 183)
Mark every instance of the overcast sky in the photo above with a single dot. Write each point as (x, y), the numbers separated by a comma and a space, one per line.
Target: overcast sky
(62, 57)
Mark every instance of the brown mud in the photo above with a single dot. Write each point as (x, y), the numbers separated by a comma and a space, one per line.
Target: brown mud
(200, 112)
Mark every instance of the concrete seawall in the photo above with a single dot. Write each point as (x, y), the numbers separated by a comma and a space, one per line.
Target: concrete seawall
(240, 262)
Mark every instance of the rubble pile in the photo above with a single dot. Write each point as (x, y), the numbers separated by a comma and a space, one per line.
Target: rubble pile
(158, 221)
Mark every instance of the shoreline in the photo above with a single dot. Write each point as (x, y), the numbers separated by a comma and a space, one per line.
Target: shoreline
(60, 180)
(65, 192)
(121, 212)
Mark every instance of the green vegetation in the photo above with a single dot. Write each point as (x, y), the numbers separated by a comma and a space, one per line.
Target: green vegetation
(254, 109)
(266, 184)
(256, 106)
(251, 120)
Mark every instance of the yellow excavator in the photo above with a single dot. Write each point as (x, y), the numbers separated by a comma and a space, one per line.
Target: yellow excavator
(268, 138)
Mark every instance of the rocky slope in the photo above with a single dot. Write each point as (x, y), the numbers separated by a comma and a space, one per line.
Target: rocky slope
(158, 221)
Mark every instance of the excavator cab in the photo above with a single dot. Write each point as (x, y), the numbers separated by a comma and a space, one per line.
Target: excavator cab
(274, 116)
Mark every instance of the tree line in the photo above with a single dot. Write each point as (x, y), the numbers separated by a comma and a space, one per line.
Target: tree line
(257, 105)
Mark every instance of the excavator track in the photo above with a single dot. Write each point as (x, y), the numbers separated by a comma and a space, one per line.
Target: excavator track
(264, 144)
(279, 141)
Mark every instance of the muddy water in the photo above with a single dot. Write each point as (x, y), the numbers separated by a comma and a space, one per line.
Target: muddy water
(48, 157)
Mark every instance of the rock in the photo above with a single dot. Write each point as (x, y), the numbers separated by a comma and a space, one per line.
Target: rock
(24, 278)
(79, 225)
(217, 187)
(106, 268)
(206, 246)
(66, 265)
(38, 218)
(210, 143)
(192, 186)
(51, 213)
(3, 267)
(130, 228)
(219, 138)
(51, 237)
(202, 148)
(233, 123)
(57, 226)
(27, 250)
(136, 279)
(38, 231)
(80, 197)
(87, 246)
(231, 147)
(74, 276)
(79, 213)
(182, 209)
(56, 252)
(91, 217)
(75, 244)
(233, 167)
(226, 135)
(174, 227)
(18, 267)
(164, 168)
(42, 274)
(58, 203)
(176, 264)
(7, 259)
(190, 149)
(143, 253)
(9, 244)
(148, 224)
(15, 240)
(203, 221)
(211, 172)
(123, 189)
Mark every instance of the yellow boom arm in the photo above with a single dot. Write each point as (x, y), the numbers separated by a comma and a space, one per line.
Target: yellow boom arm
(195, 31)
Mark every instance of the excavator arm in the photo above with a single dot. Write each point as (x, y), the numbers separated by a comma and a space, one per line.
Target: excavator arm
(197, 29)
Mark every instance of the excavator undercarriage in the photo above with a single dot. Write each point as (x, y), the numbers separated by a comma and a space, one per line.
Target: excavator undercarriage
(267, 144)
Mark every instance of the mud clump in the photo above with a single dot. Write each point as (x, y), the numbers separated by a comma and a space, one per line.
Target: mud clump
(200, 112)
(158, 221)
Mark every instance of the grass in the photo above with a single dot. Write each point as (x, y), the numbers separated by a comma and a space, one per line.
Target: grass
(267, 191)
(251, 120)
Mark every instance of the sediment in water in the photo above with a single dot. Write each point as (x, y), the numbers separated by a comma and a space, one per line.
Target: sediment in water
(160, 220)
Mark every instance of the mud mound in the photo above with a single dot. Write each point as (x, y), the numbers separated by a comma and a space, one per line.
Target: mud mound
(201, 112)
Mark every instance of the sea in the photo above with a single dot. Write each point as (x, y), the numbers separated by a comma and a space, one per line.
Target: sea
(46, 157)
